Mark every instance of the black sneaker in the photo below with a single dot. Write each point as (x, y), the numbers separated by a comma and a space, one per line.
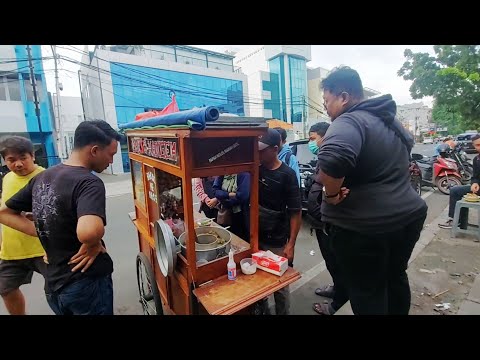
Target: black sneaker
(447, 224)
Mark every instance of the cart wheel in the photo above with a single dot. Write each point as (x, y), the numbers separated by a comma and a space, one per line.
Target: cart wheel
(147, 287)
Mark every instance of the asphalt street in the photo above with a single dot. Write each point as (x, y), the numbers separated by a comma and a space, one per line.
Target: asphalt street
(122, 244)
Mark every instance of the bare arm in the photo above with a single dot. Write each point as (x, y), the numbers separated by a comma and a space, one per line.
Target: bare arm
(295, 224)
(332, 185)
(202, 196)
(15, 220)
(90, 230)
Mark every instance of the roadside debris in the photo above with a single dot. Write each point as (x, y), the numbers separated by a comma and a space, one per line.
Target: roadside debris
(443, 306)
(440, 293)
(426, 271)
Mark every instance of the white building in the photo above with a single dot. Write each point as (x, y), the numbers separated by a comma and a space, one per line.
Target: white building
(71, 115)
(118, 82)
(23, 111)
(416, 117)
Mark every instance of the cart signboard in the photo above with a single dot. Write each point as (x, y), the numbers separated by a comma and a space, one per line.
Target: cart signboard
(163, 149)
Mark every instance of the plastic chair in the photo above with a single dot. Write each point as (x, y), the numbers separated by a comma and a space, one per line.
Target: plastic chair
(462, 204)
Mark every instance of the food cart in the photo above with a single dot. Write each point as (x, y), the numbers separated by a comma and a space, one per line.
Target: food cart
(177, 272)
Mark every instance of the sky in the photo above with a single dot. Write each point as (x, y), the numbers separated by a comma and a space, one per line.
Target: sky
(377, 65)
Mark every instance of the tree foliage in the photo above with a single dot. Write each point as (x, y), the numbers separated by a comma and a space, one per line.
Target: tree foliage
(452, 77)
(445, 116)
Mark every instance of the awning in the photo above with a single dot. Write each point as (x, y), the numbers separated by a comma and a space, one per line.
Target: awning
(273, 123)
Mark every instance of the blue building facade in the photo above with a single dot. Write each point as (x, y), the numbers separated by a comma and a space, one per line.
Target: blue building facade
(288, 88)
(17, 89)
(137, 89)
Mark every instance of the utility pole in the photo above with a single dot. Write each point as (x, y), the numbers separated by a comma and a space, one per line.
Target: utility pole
(35, 97)
(81, 95)
(304, 117)
(101, 91)
(58, 123)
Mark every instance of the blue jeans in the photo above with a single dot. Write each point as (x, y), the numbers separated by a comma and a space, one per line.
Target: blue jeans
(88, 296)
(456, 194)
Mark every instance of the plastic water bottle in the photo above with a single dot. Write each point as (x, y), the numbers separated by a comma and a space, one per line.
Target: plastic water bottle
(231, 266)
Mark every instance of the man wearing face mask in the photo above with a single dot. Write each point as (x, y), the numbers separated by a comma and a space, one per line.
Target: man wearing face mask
(374, 215)
(335, 291)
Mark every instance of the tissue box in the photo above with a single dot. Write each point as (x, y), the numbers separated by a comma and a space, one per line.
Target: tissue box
(269, 262)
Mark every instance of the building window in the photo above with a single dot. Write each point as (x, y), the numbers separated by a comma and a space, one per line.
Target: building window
(3, 92)
(29, 88)
(9, 88)
(14, 88)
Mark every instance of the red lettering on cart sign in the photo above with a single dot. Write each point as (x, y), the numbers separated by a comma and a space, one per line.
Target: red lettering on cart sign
(162, 149)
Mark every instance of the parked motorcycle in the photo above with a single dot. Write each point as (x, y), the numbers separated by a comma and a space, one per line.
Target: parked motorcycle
(441, 172)
(306, 181)
(465, 168)
(415, 177)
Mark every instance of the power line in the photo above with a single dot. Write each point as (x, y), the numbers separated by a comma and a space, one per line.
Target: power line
(191, 89)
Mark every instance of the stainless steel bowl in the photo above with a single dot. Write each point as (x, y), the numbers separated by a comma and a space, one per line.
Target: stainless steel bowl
(212, 242)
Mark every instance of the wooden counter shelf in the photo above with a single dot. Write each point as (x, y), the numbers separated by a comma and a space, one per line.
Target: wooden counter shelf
(226, 297)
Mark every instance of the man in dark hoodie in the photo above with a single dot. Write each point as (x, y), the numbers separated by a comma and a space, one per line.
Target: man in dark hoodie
(374, 215)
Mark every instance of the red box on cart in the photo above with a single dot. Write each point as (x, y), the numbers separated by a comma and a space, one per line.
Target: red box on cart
(269, 262)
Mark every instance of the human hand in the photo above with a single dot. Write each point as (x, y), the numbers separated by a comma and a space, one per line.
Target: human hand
(339, 198)
(28, 215)
(86, 255)
(211, 203)
(475, 187)
(289, 252)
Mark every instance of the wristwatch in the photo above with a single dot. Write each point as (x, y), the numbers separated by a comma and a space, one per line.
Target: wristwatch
(329, 196)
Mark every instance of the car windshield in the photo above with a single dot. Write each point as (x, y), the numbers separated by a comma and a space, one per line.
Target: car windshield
(304, 155)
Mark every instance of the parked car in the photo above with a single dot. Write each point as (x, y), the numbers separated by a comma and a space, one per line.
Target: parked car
(465, 140)
(428, 140)
(307, 163)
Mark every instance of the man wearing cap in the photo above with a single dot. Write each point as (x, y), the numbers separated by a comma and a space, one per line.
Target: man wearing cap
(280, 208)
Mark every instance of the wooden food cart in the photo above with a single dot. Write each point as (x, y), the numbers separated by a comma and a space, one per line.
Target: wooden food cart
(171, 279)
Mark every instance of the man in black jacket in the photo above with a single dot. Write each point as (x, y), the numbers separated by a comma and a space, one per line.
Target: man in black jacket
(374, 215)
(457, 192)
(335, 291)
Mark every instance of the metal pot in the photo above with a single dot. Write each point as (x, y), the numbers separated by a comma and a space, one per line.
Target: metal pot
(212, 242)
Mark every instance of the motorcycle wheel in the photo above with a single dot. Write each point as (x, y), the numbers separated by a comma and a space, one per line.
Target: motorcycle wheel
(444, 184)
(468, 166)
(416, 183)
(467, 175)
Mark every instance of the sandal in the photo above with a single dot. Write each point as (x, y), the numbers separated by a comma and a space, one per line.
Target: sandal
(323, 309)
(326, 291)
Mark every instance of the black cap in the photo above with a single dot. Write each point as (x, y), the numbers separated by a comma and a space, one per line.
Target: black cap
(271, 138)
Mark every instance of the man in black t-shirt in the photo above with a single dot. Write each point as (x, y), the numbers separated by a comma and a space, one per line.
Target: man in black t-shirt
(280, 208)
(68, 206)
